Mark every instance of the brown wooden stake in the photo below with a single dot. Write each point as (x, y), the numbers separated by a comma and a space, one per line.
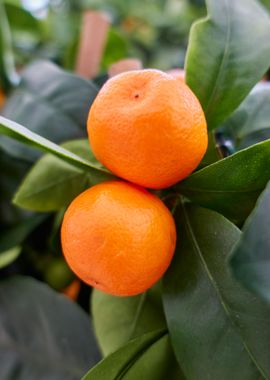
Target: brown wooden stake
(94, 31)
(124, 65)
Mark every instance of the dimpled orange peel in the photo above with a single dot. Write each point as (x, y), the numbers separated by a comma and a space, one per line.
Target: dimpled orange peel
(147, 127)
(118, 237)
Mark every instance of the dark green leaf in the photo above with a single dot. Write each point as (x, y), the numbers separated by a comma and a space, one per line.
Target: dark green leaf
(251, 261)
(16, 234)
(50, 102)
(52, 183)
(43, 335)
(144, 358)
(130, 317)
(8, 74)
(228, 53)
(252, 116)
(217, 328)
(12, 172)
(231, 186)
(22, 134)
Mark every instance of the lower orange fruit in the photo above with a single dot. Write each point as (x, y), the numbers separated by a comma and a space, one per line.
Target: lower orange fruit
(118, 237)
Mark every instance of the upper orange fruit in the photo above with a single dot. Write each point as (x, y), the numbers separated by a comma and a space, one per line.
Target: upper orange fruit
(118, 238)
(148, 128)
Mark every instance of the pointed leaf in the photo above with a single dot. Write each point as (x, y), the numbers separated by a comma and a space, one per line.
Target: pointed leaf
(251, 256)
(52, 183)
(146, 357)
(231, 186)
(130, 317)
(20, 133)
(216, 326)
(232, 48)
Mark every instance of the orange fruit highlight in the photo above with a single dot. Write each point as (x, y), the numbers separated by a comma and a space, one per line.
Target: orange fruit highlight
(177, 73)
(118, 237)
(148, 128)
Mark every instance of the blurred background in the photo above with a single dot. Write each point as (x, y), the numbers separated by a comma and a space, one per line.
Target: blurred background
(155, 31)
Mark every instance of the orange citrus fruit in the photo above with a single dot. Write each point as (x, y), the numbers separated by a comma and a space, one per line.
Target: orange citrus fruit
(118, 237)
(147, 127)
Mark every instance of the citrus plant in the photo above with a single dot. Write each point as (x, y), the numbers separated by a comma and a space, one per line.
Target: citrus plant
(180, 273)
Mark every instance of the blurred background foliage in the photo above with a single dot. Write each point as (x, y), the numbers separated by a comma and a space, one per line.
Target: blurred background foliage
(156, 31)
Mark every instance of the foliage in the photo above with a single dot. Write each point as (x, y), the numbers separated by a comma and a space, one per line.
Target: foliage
(209, 315)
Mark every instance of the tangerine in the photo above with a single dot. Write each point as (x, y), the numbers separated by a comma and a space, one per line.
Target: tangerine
(147, 127)
(118, 237)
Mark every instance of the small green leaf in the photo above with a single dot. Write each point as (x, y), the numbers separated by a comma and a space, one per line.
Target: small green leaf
(52, 103)
(130, 317)
(52, 183)
(146, 357)
(22, 134)
(7, 257)
(217, 327)
(43, 334)
(250, 259)
(231, 186)
(228, 53)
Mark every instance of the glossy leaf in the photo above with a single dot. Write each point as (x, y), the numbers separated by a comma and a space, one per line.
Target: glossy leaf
(8, 74)
(251, 256)
(22, 134)
(52, 183)
(50, 102)
(227, 55)
(7, 257)
(231, 186)
(146, 357)
(43, 335)
(130, 317)
(217, 327)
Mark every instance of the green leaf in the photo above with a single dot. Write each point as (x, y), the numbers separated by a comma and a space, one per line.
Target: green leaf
(231, 186)
(22, 134)
(250, 259)
(251, 117)
(43, 334)
(146, 357)
(130, 317)
(7, 257)
(232, 48)
(23, 22)
(52, 183)
(8, 74)
(216, 326)
(50, 102)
